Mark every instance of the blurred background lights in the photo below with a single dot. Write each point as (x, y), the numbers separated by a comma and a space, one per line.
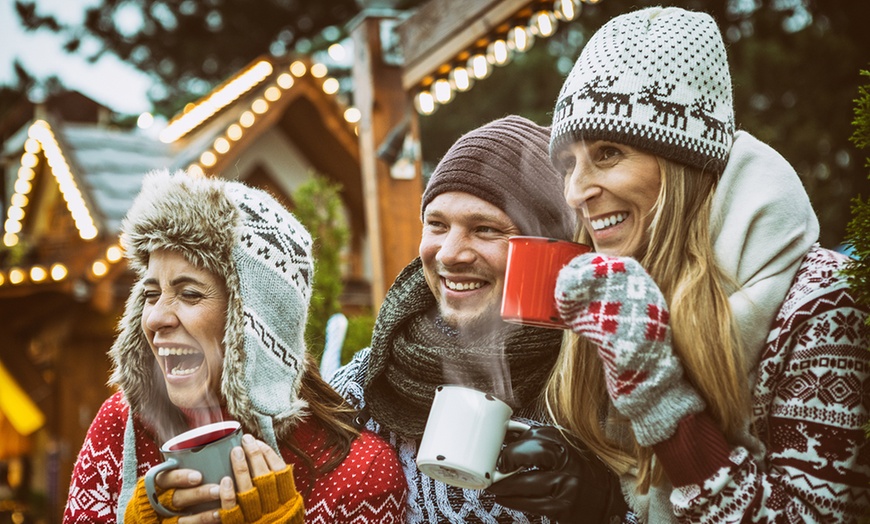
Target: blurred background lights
(234, 132)
(247, 119)
(424, 102)
(460, 79)
(259, 106)
(498, 52)
(99, 268)
(318, 70)
(222, 145)
(543, 23)
(331, 86)
(16, 275)
(114, 253)
(298, 68)
(38, 273)
(442, 91)
(272, 94)
(352, 115)
(208, 159)
(219, 99)
(58, 272)
(520, 39)
(145, 121)
(285, 80)
(337, 52)
(479, 66)
(567, 10)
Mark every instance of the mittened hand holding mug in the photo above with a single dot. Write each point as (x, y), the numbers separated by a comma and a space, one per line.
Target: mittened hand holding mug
(533, 266)
(463, 437)
(205, 449)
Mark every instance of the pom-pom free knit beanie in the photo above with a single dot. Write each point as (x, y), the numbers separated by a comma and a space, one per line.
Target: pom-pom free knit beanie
(263, 254)
(506, 163)
(656, 79)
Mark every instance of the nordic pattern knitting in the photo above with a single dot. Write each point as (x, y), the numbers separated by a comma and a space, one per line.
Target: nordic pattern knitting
(656, 79)
(614, 303)
(430, 501)
(410, 357)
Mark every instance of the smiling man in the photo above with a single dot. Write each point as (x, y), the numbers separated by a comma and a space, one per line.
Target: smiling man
(440, 320)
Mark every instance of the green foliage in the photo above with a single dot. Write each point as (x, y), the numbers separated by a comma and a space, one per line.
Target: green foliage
(189, 47)
(318, 207)
(861, 135)
(359, 335)
(858, 228)
(858, 237)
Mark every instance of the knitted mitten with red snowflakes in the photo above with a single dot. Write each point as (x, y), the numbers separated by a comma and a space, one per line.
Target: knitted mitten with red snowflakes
(614, 303)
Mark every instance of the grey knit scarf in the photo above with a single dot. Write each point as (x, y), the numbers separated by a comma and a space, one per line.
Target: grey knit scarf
(412, 354)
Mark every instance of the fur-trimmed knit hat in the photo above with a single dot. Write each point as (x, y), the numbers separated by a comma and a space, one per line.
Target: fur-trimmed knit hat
(656, 79)
(262, 253)
(506, 163)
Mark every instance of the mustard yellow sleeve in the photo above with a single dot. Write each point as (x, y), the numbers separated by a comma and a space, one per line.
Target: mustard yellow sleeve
(139, 510)
(272, 500)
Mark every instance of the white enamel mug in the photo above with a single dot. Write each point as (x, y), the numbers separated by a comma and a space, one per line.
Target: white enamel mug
(464, 436)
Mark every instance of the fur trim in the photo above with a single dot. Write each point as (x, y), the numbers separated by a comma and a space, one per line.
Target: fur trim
(205, 219)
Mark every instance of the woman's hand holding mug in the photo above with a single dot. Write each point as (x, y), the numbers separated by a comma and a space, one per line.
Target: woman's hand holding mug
(260, 491)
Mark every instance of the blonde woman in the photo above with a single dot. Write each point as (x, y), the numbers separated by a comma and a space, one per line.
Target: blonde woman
(716, 360)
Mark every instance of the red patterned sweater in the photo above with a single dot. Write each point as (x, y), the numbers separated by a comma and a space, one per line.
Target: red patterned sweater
(368, 486)
(812, 462)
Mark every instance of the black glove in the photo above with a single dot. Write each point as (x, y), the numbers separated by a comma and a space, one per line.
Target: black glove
(564, 485)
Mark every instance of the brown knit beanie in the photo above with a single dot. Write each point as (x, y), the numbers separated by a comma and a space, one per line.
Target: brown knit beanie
(507, 163)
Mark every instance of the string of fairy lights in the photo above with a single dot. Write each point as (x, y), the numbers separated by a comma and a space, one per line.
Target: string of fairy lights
(456, 76)
(41, 144)
(254, 77)
(499, 49)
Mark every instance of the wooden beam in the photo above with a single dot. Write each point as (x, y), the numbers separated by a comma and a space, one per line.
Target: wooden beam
(440, 31)
(392, 205)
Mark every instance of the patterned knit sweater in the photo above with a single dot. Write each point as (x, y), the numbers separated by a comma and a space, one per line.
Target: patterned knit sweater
(367, 487)
(431, 501)
(809, 463)
(809, 460)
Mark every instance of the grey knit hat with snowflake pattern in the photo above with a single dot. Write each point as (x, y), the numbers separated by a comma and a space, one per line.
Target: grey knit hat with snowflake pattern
(263, 254)
(656, 79)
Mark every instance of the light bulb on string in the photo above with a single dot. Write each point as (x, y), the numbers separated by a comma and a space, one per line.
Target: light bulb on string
(441, 91)
(543, 24)
(424, 102)
(567, 10)
(479, 66)
(461, 78)
(498, 52)
(520, 38)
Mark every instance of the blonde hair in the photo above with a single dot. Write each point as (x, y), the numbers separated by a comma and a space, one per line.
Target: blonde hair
(679, 257)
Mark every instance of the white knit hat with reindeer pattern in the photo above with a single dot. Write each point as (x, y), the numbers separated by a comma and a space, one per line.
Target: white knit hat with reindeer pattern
(656, 79)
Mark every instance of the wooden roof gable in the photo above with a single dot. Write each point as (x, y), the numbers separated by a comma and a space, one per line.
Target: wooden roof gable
(76, 181)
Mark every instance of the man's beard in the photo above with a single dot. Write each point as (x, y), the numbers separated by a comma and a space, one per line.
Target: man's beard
(473, 327)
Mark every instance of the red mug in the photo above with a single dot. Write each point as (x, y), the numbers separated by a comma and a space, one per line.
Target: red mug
(533, 265)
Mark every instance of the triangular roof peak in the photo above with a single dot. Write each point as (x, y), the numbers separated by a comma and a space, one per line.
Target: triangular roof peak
(267, 77)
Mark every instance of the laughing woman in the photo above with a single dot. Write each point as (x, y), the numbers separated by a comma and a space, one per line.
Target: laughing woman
(213, 330)
(717, 362)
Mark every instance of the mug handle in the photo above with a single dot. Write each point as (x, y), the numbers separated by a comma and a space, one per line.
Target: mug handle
(512, 425)
(151, 488)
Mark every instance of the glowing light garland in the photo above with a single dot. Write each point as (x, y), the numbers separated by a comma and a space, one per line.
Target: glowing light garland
(478, 63)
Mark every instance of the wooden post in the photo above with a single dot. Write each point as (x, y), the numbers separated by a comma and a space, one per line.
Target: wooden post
(392, 205)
